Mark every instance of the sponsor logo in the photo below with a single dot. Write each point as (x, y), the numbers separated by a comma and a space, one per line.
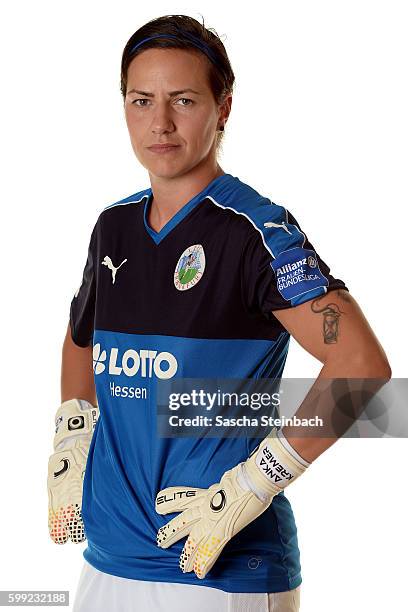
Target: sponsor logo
(145, 362)
(177, 495)
(218, 501)
(76, 422)
(99, 358)
(290, 267)
(189, 268)
(58, 422)
(297, 271)
(278, 225)
(65, 468)
(254, 563)
(108, 263)
(94, 416)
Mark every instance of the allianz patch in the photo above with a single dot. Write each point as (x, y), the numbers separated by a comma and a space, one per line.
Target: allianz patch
(297, 271)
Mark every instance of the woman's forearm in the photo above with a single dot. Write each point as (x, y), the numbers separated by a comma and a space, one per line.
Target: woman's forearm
(77, 380)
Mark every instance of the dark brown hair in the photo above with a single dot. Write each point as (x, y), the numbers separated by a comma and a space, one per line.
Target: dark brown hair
(220, 75)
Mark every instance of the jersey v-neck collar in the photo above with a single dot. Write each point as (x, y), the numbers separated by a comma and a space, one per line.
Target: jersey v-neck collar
(183, 212)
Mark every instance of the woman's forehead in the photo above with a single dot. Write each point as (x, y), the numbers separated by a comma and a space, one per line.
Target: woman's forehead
(170, 64)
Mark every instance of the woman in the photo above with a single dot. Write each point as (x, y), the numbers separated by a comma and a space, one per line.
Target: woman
(197, 275)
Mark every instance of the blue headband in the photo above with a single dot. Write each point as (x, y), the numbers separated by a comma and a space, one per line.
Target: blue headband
(193, 39)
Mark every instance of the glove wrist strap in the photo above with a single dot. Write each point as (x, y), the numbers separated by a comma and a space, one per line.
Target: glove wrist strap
(74, 418)
(274, 465)
(246, 483)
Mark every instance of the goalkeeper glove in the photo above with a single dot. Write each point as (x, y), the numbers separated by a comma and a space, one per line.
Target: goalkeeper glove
(75, 422)
(211, 517)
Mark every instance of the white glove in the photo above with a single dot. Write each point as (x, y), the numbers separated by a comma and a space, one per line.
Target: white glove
(211, 517)
(75, 422)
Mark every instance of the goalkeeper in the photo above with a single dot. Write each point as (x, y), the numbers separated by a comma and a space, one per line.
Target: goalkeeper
(196, 275)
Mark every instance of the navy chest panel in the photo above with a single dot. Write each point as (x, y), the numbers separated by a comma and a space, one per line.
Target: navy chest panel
(135, 277)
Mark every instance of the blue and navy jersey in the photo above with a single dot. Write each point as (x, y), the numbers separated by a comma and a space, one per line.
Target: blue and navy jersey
(194, 300)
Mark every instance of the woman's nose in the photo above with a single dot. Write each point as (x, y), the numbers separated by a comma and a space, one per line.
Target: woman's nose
(162, 119)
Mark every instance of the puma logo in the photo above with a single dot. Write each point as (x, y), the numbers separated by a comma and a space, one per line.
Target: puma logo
(108, 262)
(281, 225)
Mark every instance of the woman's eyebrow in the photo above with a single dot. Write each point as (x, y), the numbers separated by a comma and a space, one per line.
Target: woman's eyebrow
(170, 93)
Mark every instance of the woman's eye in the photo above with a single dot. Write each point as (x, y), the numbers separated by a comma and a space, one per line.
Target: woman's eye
(188, 100)
(139, 100)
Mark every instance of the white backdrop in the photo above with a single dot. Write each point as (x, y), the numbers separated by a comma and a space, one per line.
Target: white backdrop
(319, 125)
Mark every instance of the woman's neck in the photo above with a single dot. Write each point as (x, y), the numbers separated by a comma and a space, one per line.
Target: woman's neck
(170, 195)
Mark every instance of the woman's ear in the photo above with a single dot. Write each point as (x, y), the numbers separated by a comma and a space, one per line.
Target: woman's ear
(225, 109)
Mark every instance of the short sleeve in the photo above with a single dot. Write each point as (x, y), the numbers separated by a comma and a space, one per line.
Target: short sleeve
(281, 269)
(82, 309)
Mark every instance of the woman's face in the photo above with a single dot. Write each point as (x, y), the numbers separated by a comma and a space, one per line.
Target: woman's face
(169, 100)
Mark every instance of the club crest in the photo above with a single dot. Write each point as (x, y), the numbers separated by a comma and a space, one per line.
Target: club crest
(190, 267)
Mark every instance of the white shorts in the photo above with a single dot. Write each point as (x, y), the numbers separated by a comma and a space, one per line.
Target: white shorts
(101, 592)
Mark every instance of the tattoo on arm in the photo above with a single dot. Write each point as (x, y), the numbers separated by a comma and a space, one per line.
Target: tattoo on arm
(331, 319)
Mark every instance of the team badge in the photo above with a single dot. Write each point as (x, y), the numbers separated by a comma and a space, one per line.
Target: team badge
(190, 267)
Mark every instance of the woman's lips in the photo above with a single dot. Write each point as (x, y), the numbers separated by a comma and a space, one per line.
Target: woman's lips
(163, 148)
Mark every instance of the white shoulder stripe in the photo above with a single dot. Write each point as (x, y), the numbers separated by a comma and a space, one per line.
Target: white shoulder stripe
(248, 218)
(124, 202)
